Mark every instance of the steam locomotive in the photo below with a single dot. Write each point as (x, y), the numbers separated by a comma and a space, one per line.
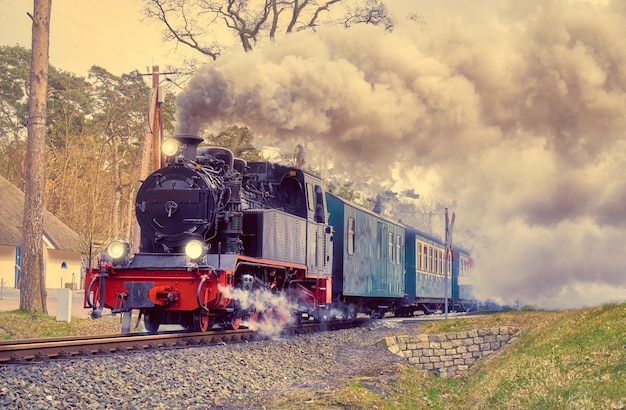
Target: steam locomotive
(228, 242)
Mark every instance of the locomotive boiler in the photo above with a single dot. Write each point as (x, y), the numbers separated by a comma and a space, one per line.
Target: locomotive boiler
(220, 239)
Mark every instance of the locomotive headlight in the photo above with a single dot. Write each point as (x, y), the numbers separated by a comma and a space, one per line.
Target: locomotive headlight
(194, 250)
(170, 147)
(118, 250)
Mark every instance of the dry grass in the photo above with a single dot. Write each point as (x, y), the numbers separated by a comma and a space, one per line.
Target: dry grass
(17, 324)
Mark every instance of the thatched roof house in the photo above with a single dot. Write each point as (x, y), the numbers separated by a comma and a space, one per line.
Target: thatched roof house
(62, 245)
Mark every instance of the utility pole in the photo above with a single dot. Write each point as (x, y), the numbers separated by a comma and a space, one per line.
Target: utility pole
(154, 129)
(151, 158)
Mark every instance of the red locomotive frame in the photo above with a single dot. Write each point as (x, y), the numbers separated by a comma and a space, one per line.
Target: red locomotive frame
(172, 289)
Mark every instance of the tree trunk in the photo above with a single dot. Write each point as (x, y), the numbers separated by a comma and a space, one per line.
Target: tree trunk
(32, 279)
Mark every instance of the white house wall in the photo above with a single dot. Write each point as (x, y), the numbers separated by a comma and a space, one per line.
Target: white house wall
(56, 275)
(7, 266)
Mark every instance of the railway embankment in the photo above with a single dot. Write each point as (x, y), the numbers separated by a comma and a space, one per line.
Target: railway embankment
(449, 354)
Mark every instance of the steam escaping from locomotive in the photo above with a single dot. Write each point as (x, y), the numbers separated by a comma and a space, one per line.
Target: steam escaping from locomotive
(516, 114)
(269, 312)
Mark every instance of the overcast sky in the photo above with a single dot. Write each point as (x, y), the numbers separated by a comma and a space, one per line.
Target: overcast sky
(513, 113)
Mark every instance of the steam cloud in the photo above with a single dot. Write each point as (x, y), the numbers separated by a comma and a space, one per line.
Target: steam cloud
(513, 113)
(275, 309)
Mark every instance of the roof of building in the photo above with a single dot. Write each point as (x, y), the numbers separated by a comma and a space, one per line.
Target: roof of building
(11, 219)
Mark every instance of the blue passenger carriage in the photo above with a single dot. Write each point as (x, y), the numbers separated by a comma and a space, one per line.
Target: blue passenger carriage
(462, 288)
(368, 264)
(425, 275)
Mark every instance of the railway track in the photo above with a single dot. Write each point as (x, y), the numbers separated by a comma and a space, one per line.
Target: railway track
(40, 350)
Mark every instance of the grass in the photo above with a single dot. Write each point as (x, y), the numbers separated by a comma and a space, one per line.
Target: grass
(18, 324)
(573, 359)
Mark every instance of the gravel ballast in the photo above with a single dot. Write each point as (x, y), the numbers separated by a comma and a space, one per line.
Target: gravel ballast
(230, 376)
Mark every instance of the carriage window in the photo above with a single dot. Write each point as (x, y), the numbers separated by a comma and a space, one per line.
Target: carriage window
(398, 249)
(319, 215)
(419, 255)
(379, 240)
(309, 197)
(441, 261)
(431, 265)
(464, 267)
(390, 247)
(351, 236)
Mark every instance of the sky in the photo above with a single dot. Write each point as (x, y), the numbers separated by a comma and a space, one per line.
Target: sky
(109, 34)
(512, 113)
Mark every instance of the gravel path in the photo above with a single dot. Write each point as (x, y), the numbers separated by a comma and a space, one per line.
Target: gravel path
(237, 376)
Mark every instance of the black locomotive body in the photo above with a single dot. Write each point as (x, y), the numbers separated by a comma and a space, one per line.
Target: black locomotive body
(212, 226)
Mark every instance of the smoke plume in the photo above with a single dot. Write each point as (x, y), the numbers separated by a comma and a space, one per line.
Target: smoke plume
(513, 112)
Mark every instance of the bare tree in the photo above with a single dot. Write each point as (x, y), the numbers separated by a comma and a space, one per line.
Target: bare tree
(197, 23)
(368, 12)
(33, 290)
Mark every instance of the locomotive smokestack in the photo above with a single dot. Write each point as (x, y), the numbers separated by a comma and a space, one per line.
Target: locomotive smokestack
(189, 143)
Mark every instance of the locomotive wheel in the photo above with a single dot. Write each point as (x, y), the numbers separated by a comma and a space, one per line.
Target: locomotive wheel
(272, 315)
(321, 315)
(152, 321)
(254, 318)
(235, 323)
(349, 312)
(202, 321)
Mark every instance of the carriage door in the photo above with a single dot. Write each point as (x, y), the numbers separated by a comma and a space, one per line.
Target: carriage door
(318, 237)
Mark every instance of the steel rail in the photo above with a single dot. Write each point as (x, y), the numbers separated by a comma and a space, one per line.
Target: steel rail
(40, 350)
